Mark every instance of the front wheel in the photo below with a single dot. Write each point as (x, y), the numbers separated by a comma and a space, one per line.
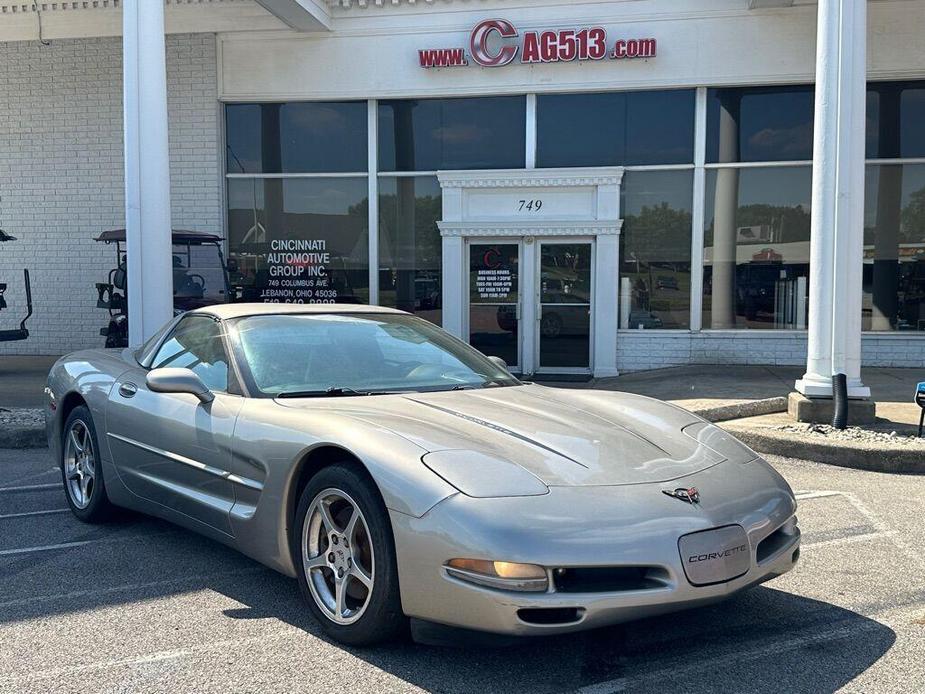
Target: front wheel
(82, 469)
(346, 557)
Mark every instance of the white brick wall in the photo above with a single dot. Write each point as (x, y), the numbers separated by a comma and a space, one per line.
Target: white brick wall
(645, 349)
(61, 173)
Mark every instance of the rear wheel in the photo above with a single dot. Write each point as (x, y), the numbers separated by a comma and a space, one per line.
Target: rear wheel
(346, 557)
(82, 470)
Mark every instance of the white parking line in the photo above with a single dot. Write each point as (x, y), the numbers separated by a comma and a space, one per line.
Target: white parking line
(24, 514)
(32, 487)
(77, 594)
(621, 684)
(816, 495)
(45, 548)
(81, 543)
(225, 645)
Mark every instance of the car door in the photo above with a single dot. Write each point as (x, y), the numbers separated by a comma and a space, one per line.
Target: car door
(171, 448)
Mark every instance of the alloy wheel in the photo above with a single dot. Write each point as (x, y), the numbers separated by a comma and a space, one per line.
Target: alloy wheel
(338, 556)
(79, 464)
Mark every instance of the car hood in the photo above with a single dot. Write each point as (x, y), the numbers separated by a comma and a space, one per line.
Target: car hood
(562, 437)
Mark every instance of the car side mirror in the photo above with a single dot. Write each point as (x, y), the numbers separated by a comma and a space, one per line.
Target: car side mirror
(499, 362)
(172, 380)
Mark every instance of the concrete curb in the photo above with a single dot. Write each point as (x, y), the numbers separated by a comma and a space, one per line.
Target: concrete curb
(22, 437)
(740, 410)
(902, 459)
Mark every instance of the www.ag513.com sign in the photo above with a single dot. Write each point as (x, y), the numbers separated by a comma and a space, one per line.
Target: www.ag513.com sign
(496, 42)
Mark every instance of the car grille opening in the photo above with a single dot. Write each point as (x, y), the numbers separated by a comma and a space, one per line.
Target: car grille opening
(550, 615)
(773, 544)
(609, 579)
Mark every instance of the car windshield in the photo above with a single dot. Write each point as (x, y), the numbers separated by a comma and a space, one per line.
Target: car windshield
(358, 354)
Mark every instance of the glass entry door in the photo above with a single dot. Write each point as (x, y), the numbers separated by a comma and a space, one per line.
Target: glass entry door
(494, 300)
(564, 306)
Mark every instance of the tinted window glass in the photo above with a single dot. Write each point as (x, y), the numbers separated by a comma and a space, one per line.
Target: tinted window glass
(196, 344)
(434, 134)
(410, 245)
(655, 249)
(756, 253)
(297, 137)
(760, 124)
(895, 120)
(894, 248)
(631, 128)
(301, 240)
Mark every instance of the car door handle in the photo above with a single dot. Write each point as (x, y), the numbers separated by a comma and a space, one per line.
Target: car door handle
(128, 390)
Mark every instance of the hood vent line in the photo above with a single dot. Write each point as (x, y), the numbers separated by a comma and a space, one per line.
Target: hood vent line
(616, 424)
(503, 430)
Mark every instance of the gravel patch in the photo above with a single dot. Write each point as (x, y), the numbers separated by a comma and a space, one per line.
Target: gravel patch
(825, 432)
(21, 417)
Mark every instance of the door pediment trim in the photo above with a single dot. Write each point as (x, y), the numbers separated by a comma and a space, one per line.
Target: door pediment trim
(530, 228)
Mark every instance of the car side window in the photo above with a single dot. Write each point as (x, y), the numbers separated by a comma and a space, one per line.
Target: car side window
(196, 344)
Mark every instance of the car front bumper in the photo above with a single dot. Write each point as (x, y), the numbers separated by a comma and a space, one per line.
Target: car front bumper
(578, 528)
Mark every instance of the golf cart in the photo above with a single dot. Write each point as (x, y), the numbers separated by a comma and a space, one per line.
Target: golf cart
(20, 333)
(200, 278)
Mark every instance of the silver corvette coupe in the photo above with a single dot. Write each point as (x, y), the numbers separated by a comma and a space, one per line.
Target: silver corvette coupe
(398, 473)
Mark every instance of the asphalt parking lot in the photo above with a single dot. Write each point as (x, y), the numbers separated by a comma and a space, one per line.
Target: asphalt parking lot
(141, 605)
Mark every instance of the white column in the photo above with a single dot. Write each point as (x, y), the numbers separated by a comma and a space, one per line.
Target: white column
(836, 246)
(454, 281)
(147, 169)
(606, 272)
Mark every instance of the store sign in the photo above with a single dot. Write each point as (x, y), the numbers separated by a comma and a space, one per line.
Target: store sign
(298, 273)
(496, 42)
(493, 281)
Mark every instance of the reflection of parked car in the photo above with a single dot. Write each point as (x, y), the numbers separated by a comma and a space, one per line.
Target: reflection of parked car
(666, 282)
(427, 293)
(569, 315)
(646, 319)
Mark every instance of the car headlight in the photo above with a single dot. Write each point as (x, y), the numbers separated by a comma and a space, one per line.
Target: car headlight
(499, 574)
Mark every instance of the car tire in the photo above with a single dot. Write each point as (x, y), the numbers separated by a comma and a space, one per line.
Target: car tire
(82, 469)
(367, 614)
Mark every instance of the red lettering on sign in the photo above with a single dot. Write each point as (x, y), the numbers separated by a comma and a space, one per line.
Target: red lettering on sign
(490, 45)
(531, 48)
(478, 43)
(442, 57)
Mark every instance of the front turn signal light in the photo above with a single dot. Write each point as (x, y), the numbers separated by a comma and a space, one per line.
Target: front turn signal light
(499, 574)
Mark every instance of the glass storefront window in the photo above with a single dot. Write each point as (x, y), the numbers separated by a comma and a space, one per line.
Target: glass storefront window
(895, 114)
(760, 124)
(756, 255)
(297, 137)
(615, 129)
(299, 240)
(435, 134)
(410, 245)
(655, 249)
(894, 248)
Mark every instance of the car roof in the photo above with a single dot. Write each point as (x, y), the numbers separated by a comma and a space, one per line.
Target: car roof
(240, 310)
